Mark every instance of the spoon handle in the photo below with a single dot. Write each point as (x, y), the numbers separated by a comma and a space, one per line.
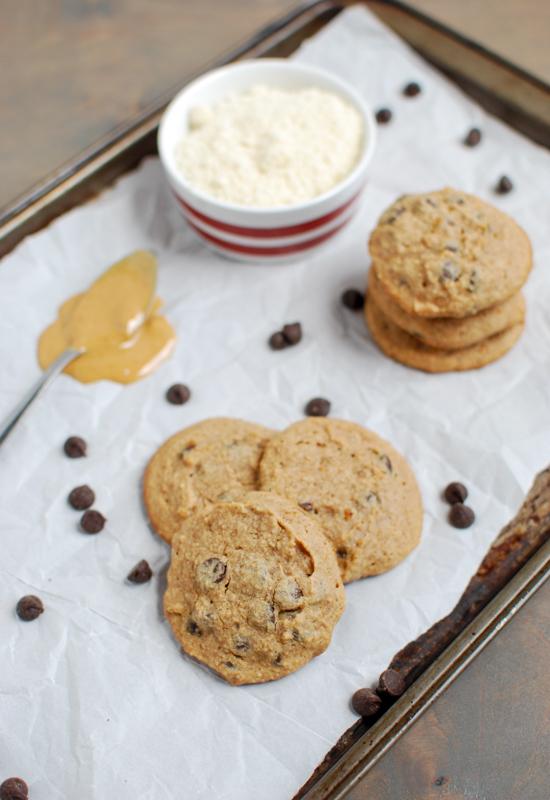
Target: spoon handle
(9, 422)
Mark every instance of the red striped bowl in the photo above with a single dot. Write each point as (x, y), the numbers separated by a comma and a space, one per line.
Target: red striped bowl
(266, 235)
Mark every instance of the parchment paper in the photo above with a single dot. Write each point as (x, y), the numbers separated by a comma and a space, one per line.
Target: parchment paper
(96, 700)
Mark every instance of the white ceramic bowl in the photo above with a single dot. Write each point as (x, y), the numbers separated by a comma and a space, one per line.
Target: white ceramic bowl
(284, 233)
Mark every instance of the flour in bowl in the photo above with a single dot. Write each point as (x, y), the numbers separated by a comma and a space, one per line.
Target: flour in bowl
(269, 147)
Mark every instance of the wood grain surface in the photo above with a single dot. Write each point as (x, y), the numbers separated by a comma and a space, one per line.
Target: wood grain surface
(487, 737)
(73, 70)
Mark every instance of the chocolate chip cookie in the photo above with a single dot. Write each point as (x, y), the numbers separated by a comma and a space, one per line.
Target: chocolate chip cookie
(408, 350)
(212, 461)
(448, 254)
(254, 589)
(355, 484)
(447, 333)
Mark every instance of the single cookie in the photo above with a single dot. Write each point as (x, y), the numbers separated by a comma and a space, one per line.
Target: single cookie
(355, 484)
(254, 589)
(403, 347)
(214, 460)
(447, 333)
(448, 254)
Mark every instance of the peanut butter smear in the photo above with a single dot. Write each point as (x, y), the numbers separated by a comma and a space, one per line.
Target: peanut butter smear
(115, 324)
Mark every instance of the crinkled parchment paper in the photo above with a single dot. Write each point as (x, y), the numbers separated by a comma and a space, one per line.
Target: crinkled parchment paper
(96, 700)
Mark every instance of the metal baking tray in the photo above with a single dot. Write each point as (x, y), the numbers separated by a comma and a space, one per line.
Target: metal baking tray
(519, 560)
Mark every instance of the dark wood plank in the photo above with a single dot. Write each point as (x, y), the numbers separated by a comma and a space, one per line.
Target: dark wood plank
(72, 70)
(487, 737)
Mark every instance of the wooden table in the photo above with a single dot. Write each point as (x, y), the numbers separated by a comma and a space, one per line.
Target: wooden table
(73, 71)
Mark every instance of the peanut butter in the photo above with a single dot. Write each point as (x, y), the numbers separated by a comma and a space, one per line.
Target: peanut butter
(115, 324)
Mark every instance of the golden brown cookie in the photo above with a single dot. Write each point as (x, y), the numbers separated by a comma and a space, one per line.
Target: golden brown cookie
(254, 589)
(403, 347)
(355, 484)
(214, 460)
(448, 254)
(447, 333)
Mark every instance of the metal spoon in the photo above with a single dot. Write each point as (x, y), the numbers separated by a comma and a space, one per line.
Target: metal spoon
(57, 366)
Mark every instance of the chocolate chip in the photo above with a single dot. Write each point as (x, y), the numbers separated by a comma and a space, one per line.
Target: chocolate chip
(455, 493)
(288, 594)
(178, 394)
(472, 138)
(440, 781)
(193, 628)
(383, 116)
(461, 516)
(449, 271)
(353, 299)
(29, 608)
(14, 789)
(92, 521)
(504, 185)
(306, 505)
(141, 573)
(292, 333)
(75, 447)
(412, 89)
(241, 644)
(342, 552)
(386, 461)
(81, 497)
(366, 702)
(473, 281)
(391, 683)
(211, 571)
(277, 341)
(317, 407)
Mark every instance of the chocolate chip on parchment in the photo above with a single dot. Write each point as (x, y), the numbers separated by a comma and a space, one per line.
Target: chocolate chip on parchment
(29, 608)
(455, 492)
(366, 702)
(383, 116)
(353, 299)
(472, 138)
(75, 447)
(277, 341)
(14, 789)
(81, 497)
(391, 683)
(306, 505)
(178, 394)
(317, 407)
(461, 516)
(141, 573)
(412, 89)
(504, 185)
(92, 521)
(292, 333)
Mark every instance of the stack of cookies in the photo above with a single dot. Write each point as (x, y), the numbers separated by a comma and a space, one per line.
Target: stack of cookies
(266, 527)
(444, 285)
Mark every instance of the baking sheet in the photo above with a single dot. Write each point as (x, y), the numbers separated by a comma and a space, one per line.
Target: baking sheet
(95, 697)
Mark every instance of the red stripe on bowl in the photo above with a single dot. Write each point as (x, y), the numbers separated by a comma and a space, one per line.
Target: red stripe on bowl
(267, 233)
(282, 250)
